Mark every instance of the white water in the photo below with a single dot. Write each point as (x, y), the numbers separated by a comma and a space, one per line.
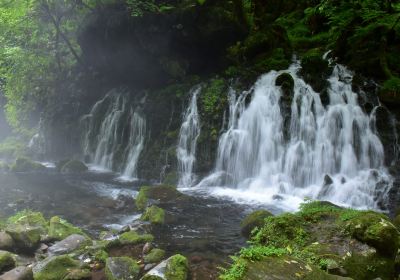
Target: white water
(186, 150)
(256, 163)
(115, 135)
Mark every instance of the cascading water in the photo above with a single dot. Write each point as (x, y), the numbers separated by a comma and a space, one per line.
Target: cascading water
(186, 150)
(115, 135)
(329, 152)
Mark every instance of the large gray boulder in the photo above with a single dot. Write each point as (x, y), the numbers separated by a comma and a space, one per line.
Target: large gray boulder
(68, 245)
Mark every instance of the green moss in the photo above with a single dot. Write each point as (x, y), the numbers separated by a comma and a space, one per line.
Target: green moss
(78, 274)
(101, 256)
(132, 237)
(154, 256)
(213, 97)
(31, 218)
(162, 193)
(56, 268)
(12, 148)
(7, 261)
(154, 214)
(121, 268)
(60, 229)
(24, 164)
(253, 220)
(141, 198)
(321, 235)
(177, 268)
(390, 91)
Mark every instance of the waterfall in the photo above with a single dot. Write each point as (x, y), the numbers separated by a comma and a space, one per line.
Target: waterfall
(114, 134)
(325, 152)
(186, 150)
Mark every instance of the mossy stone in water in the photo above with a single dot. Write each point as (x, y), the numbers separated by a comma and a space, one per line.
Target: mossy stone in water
(74, 166)
(132, 238)
(7, 261)
(121, 268)
(29, 218)
(162, 193)
(61, 229)
(154, 214)
(177, 268)
(78, 274)
(24, 164)
(156, 255)
(55, 268)
(253, 220)
(286, 82)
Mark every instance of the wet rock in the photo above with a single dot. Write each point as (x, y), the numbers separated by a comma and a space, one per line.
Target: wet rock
(286, 82)
(68, 245)
(315, 70)
(6, 242)
(288, 268)
(7, 261)
(133, 237)
(254, 219)
(154, 256)
(78, 274)
(74, 166)
(277, 197)
(121, 268)
(61, 229)
(326, 186)
(23, 164)
(146, 248)
(161, 193)
(54, 268)
(174, 268)
(18, 273)
(25, 237)
(154, 215)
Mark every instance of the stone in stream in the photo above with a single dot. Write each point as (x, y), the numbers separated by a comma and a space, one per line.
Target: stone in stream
(18, 273)
(6, 242)
(60, 229)
(174, 268)
(25, 237)
(253, 220)
(154, 256)
(55, 267)
(118, 268)
(7, 261)
(74, 166)
(68, 245)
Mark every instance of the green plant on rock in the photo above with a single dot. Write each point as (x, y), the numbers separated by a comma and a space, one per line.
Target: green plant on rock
(154, 214)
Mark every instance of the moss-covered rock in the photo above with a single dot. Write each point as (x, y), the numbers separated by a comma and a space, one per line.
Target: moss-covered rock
(315, 70)
(78, 274)
(24, 164)
(132, 238)
(54, 268)
(390, 92)
(6, 241)
(74, 166)
(7, 261)
(253, 220)
(121, 268)
(154, 256)
(60, 229)
(322, 237)
(25, 228)
(177, 268)
(154, 214)
(161, 193)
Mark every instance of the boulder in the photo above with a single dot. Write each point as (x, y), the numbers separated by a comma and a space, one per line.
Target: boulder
(119, 268)
(174, 268)
(253, 220)
(7, 261)
(154, 256)
(132, 238)
(6, 242)
(23, 164)
(154, 215)
(160, 193)
(78, 274)
(25, 237)
(54, 268)
(74, 166)
(61, 229)
(71, 243)
(18, 273)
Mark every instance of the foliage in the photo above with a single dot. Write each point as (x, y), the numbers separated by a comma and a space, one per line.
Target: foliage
(139, 7)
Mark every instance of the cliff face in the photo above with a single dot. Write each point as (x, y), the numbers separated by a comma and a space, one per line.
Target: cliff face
(159, 56)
